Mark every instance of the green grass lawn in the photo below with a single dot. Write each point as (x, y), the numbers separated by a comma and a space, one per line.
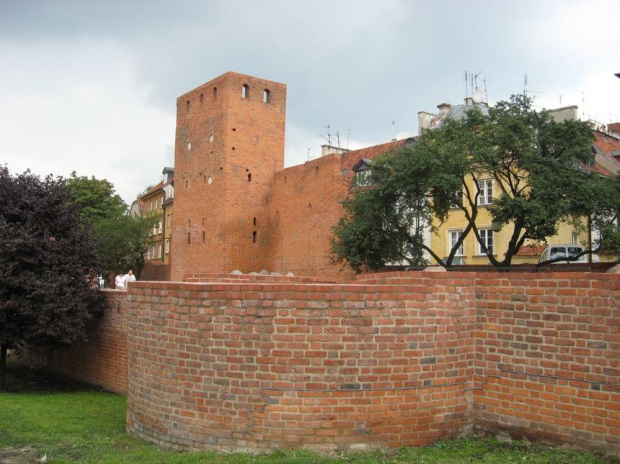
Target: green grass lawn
(71, 423)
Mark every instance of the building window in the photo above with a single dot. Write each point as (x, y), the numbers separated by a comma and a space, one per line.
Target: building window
(455, 235)
(458, 201)
(167, 246)
(574, 238)
(214, 93)
(254, 237)
(201, 98)
(486, 192)
(486, 235)
(187, 106)
(266, 96)
(189, 238)
(363, 178)
(245, 91)
(159, 227)
(250, 177)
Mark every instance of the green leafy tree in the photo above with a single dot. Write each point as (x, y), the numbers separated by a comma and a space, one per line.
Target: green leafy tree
(48, 266)
(121, 239)
(540, 167)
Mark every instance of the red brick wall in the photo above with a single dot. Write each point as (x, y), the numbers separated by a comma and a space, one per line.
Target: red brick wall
(155, 271)
(398, 359)
(305, 206)
(290, 365)
(219, 218)
(101, 361)
(256, 362)
(548, 357)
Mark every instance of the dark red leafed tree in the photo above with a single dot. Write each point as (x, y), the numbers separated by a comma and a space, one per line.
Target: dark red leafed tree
(48, 266)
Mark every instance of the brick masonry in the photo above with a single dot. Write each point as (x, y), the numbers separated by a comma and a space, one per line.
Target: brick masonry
(228, 148)
(102, 361)
(239, 362)
(235, 206)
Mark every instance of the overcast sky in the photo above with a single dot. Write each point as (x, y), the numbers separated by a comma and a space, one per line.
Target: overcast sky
(91, 86)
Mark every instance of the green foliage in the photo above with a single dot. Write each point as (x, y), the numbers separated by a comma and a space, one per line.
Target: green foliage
(540, 168)
(122, 242)
(97, 198)
(48, 265)
(121, 239)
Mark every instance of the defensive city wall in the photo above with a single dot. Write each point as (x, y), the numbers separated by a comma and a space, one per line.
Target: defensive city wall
(237, 362)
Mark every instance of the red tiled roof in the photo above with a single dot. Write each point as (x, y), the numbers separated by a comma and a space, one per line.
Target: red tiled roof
(614, 126)
(153, 189)
(531, 250)
(606, 143)
(349, 159)
(602, 171)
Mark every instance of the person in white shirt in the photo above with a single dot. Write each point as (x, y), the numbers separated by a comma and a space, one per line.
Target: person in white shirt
(119, 282)
(129, 277)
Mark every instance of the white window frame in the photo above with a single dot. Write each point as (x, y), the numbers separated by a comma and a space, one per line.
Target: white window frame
(487, 236)
(363, 178)
(460, 196)
(452, 239)
(574, 240)
(485, 186)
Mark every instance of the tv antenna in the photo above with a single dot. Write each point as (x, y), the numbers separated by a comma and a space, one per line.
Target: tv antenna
(328, 139)
(471, 83)
(526, 90)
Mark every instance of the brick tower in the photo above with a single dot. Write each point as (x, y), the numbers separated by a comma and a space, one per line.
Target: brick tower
(229, 144)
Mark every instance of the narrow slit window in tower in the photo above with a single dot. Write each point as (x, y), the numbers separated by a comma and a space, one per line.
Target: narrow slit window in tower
(254, 237)
(266, 96)
(245, 91)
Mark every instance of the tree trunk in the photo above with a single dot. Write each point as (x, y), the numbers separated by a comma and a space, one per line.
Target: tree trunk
(3, 349)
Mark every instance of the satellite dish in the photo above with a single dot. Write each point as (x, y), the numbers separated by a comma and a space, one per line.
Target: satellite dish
(402, 135)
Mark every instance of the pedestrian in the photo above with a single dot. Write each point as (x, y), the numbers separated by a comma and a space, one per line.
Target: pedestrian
(129, 277)
(119, 282)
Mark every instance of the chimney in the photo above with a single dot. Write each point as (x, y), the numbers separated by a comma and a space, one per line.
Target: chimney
(444, 108)
(424, 120)
(564, 114)
(330, 150)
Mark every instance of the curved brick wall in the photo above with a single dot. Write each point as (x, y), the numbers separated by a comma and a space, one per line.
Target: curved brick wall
(256, 366)
(396, 359)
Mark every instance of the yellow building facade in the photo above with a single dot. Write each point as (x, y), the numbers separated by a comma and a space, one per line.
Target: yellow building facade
(496, 239)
